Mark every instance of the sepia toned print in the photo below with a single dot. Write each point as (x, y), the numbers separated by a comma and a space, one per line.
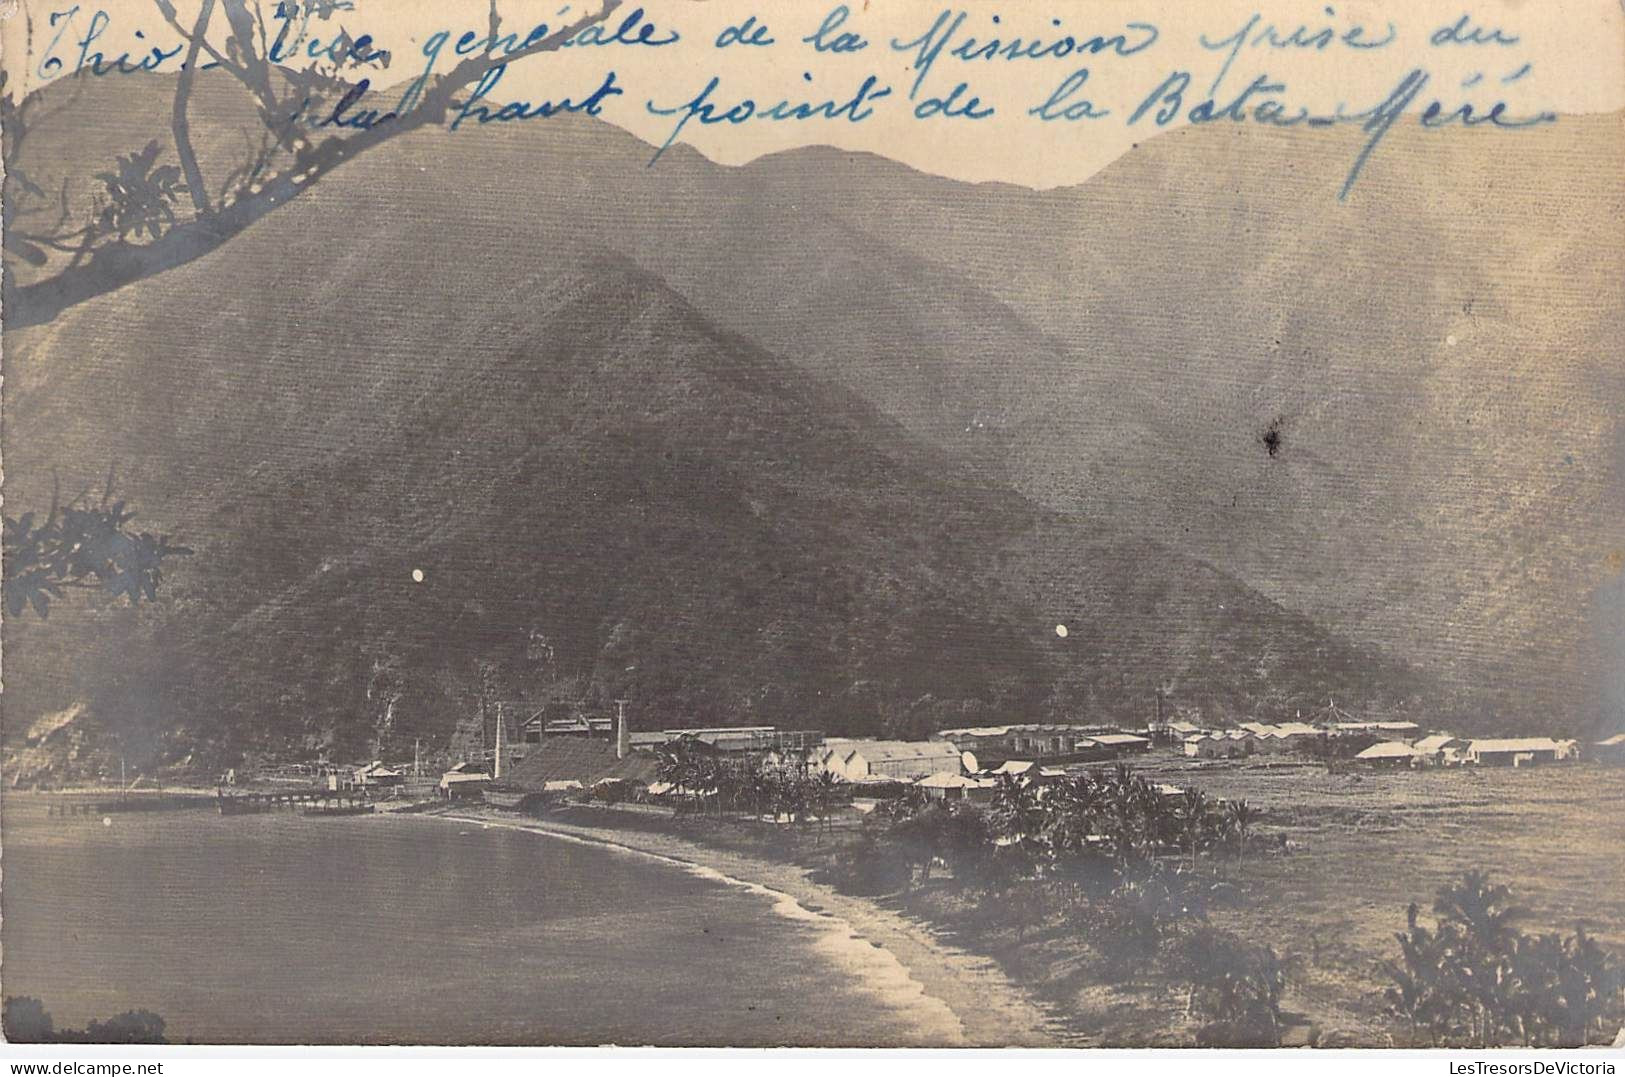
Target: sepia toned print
(814, 524)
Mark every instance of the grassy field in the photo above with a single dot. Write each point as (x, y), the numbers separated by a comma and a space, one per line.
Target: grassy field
(1358, 848)
(1362, 846)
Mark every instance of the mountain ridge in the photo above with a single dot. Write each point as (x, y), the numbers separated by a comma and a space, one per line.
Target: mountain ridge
(752, 276)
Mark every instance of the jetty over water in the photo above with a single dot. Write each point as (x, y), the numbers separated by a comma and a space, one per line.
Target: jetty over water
(80, 805)
(312, 801)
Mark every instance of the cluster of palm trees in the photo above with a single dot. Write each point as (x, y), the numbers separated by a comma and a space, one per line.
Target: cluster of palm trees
(1118, 814)
(1475, 980)
(1107, 852)
(703, 781)
(1109, 824)
(1109, 845)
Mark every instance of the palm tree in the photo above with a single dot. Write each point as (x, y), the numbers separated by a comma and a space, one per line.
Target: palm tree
(1015, 811)
(674, 768)
(1483, 909)
(1193, 821)
(1478, 937)
(1241, 818)
(826, 793)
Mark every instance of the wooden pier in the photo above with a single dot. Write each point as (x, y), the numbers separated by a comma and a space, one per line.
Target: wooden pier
(234, 802)
(310, 801)
(79, 805)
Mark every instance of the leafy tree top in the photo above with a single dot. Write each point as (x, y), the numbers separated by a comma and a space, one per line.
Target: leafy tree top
(78, 547)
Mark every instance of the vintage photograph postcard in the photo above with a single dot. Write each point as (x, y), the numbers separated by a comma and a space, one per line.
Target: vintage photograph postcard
(825, 523)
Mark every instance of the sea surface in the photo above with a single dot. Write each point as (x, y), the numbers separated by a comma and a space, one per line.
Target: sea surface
(280, 928)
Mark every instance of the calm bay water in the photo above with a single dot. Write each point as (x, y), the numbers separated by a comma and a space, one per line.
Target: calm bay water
(281, 928)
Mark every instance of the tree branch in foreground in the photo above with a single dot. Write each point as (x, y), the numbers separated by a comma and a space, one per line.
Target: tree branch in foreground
(114, 263)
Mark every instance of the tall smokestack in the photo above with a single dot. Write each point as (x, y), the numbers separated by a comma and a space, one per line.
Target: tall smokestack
(623, 736)
(496, 768)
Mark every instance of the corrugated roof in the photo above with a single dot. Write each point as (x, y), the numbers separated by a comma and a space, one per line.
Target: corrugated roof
(876, 751)
(1516, 744)
(1013, 766)
(637, 767)
(1387, 727)
(582, 759)
(1017, 727)
(1613, 741)
(703, 730)
(1117, 738)
(1390, 749)
(1436, 742)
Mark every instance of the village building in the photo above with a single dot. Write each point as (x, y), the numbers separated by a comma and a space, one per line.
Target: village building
(1025, 771)
(948, 786)
(1222, 744)
(1610, 749)
(1012, 768)
(1061, 742)
(464, 781)
(375, 775)
(647, 740)
(1519, 751)
(1389, 753)
(889, 760)
(1294, 735)
(1440, 749)
(1394, 730)
(566, 763)
(1282, 737)
(562, 759)
(758, 743)
(1229, 744)
(548, 723)
(1120, 743)
(1266, 738)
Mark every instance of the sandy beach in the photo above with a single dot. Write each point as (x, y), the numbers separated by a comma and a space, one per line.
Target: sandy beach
(993, 1011)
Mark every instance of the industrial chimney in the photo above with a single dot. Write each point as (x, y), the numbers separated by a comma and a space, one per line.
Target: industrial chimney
(623, 736)
(496, 767)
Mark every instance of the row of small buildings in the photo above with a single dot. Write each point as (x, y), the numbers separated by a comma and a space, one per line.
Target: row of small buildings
(1263, 738)
(1400, 744)
(978, 749)
(1442, 749)
(579, 753)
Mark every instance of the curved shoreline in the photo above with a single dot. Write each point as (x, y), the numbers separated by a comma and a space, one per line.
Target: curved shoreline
(990, 1009)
